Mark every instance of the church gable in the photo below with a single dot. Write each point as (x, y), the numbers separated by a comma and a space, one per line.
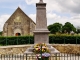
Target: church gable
(18, 16)
(18, 23)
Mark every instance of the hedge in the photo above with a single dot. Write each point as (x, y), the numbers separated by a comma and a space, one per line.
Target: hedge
(16, 40)
(64, 39)
(30, 40)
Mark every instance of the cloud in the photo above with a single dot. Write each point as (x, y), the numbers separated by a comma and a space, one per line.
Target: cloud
(22, 6)
(71, 6)
(9, 1)
(61, 11)
(29, 2)
(33, 17)
(3, 19)
(63, 6)
(57, 11)
(53, 18)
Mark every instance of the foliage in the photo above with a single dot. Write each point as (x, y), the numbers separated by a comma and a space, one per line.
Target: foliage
(16, 40)
(68, 27)
(78, 31)
(59, 28)
(57, 39)
(56, 27)
(64, 39)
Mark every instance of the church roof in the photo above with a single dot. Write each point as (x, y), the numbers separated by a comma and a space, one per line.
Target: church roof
(19, 10)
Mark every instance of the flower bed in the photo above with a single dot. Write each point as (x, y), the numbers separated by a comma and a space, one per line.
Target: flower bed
(42, 52)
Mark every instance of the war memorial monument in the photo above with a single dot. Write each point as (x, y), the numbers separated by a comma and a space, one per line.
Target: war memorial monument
(41, 32)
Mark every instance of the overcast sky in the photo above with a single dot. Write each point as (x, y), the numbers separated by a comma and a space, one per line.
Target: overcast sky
(61, 11)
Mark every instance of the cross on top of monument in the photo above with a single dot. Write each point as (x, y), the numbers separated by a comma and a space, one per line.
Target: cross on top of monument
(41, 1)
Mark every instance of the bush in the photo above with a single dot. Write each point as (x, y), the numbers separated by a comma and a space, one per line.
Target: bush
(56, 39)
(16, 40)
(64, 39)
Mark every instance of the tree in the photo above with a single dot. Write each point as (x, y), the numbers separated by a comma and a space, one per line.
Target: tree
(78, 30)
(56, 27)
(68, 27)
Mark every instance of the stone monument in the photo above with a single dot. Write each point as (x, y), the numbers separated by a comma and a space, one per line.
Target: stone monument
(41, 32)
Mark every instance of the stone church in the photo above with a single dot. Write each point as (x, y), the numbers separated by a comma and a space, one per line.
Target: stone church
(19, 24)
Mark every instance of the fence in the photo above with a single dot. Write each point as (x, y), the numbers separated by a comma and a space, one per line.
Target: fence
(59, 56)
(13, 57)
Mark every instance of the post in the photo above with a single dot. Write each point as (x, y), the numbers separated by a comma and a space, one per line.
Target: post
(26, 56)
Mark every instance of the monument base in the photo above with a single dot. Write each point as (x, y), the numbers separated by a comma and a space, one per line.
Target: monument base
(50, 47)
(41, 36)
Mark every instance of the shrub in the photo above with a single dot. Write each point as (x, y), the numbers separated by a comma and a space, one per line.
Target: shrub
(56, 39)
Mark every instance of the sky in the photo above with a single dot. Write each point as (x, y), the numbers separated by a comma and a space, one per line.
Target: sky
(60, 11)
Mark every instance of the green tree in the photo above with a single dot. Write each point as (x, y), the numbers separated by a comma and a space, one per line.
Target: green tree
(68, 27)
(78, 30)
(56, 27)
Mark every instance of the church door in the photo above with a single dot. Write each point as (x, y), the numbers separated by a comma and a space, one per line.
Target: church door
(17, 34)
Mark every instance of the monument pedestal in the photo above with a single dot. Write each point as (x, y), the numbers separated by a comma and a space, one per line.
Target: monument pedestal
(50, 47)
(41, 36)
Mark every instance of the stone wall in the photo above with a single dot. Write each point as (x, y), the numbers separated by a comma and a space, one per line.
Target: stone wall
(19, 49)
(68, 48)
(14, 49)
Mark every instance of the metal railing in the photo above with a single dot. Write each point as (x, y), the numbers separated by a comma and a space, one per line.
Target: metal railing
(13, 57)
(58, 56)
